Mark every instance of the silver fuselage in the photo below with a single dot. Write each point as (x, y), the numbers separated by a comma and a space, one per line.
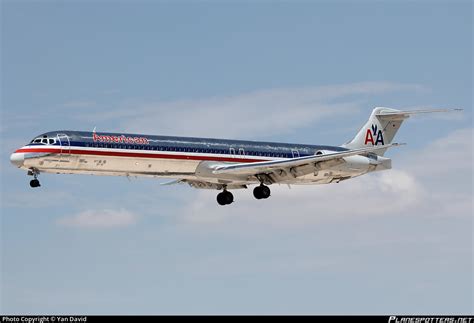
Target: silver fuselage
(77, 152)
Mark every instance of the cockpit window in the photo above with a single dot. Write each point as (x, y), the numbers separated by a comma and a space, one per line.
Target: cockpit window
(44, 140)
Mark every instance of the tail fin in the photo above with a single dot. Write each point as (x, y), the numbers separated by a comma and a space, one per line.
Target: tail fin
(382, 126)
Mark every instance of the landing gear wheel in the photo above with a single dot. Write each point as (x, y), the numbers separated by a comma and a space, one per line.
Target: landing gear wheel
(257, 192)
(261, 192)
(265, 192)
(225, 198)
(35, 183)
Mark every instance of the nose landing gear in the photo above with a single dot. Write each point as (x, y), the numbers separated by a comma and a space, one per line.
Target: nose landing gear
(34, 182)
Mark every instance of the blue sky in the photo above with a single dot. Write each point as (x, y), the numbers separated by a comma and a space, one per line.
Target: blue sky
(392, 242)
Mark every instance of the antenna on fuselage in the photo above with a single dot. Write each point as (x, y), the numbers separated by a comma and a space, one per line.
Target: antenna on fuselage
(94, 129)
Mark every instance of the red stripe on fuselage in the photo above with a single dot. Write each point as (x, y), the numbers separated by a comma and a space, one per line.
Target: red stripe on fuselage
(139, 155)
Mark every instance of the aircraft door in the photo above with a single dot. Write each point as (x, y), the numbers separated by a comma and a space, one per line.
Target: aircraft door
(295, 153)
(65, 143)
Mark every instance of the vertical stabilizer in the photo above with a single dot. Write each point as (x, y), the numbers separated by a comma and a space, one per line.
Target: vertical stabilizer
(380, 129)
(383, 125)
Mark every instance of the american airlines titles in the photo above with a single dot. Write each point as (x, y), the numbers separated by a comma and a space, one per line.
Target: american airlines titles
(120, 139)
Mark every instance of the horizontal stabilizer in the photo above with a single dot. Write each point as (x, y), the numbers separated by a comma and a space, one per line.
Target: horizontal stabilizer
(400, 115)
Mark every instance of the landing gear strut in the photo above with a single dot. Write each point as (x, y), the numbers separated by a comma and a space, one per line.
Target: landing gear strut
(225, 197)
(261, 192)
(34, 182)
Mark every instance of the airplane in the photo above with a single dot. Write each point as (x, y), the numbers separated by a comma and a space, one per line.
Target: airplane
(218, 164)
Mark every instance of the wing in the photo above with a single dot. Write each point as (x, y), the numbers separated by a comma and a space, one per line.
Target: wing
(212, 175)
(300, 166)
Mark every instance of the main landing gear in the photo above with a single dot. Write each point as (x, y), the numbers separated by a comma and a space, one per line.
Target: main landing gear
(34, 182)
(261, 192)
(225, 197)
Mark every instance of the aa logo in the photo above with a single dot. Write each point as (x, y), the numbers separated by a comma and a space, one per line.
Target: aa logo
(373, 133)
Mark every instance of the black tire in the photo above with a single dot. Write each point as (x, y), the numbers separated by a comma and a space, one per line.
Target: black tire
(229, 198)
(265, 191)
(34, 183)
(257, 192)
(221, 198)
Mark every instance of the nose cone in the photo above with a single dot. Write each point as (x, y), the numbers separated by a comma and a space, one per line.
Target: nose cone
(17, 159)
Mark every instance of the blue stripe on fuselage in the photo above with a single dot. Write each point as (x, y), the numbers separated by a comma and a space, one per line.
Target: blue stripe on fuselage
(197, 145)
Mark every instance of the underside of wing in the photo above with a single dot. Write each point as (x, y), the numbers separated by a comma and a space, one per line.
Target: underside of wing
(203, 184)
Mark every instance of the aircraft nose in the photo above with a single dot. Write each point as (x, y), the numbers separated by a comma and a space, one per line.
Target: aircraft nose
(17, 159)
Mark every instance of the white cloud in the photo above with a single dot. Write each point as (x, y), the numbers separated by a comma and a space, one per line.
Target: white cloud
(447, 155)
(106, 218)
(371, 195)
(260, 113)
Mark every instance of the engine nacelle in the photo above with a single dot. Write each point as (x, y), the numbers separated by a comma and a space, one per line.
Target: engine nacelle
(354, 163)
(357, 163)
